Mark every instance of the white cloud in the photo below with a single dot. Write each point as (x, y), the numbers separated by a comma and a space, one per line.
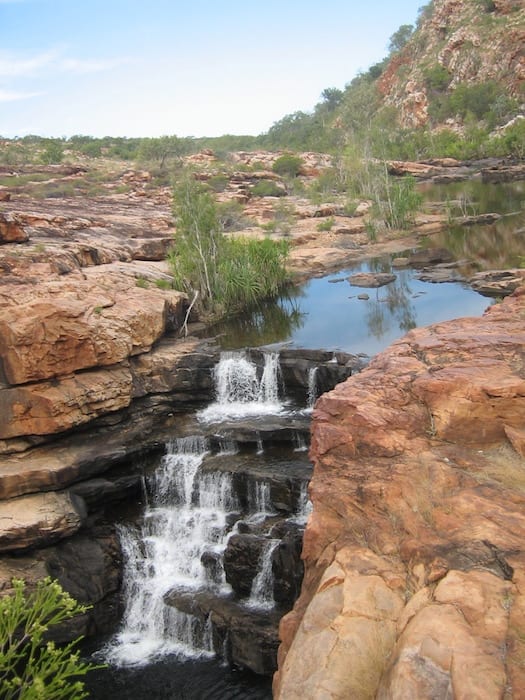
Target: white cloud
(13, 95)
(17, 66)
(75, 65)
(12, 66)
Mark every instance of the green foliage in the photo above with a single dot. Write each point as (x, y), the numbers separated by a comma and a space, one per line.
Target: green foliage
(436, 77)
(162, 148)
(231, 216)
(162, 283)
(53, 152)
(288, 165)
(399, 39)
(484, 101)
(267, 188)
(326, 225)
(32, 668)
(142, 283)
(398, 202)
(487, 5)
(226, 273)
(218, 182)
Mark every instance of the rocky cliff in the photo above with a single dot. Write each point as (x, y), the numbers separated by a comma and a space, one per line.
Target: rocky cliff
(457, 41)
(414, 554)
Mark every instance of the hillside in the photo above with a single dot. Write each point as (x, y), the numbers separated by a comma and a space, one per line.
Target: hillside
(453, 85)
(457, 43)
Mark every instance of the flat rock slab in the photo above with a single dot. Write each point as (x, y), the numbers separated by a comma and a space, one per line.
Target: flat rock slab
(38, 520)
(371, 280)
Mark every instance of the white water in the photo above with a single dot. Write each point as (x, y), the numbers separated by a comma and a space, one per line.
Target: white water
(261, 594)
(312, 386)
(305, 505)
(239, 391)
(186, 518)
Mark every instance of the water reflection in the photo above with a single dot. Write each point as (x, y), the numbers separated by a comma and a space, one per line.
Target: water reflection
(328, 315)
(270, 322)
(490, 246)
(322, 314)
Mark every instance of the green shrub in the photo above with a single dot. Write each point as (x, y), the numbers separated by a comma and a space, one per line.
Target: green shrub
(32, 668)
(219, 182)
(326, 225)
(267, 188)
(223, 274)
(288, 165)
(142, 282)
(436, 77)
(53, 152)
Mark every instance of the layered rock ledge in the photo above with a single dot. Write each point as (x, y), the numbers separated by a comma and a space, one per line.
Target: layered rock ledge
(414, 555)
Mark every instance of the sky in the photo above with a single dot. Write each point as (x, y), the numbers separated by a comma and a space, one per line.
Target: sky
(190, 68)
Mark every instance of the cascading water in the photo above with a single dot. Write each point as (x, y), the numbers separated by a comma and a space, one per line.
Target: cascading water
(261, 595)
(176, 556)
(185, 519)
(312, 386)
(240, 392)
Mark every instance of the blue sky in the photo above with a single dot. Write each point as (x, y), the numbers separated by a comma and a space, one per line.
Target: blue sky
(191, 68)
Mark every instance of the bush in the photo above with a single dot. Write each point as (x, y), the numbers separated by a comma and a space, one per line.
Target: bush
(31, 667)
(326, 225)
(224, 274)
(288, 165)
(436, 77)
(267, 188)
(218, 183)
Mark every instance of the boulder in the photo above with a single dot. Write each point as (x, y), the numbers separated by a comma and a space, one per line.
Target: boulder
(414, 555)
(38, 520)
(497, 283)
(371, 280)
(11, 230)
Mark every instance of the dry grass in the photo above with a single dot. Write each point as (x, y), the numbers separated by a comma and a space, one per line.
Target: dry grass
(504, 465)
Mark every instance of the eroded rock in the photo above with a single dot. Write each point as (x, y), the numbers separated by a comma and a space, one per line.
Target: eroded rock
(414, 556)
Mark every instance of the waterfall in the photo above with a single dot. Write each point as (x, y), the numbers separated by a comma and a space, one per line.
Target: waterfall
(259, 501)
(299, 442)
(312, 386)
(304, 506)
(184, 522)
(261, 594)
(239, 391)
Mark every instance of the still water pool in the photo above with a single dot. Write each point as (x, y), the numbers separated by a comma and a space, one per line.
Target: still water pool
(326, 312)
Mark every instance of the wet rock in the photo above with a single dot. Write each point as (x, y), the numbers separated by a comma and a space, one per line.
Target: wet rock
(98, 493)
(432, 256)
(363, 297)
(497, 283)
(241, 559)
(478, 219)
(247, 638)
(371, 280)
(287, 566)
(502, 173)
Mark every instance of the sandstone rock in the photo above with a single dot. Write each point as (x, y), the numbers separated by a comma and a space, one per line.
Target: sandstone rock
(44, 408)
(497, 283)
(38, 520)
(414, 557)
(432, 256)
(11, 231)
(371, 279)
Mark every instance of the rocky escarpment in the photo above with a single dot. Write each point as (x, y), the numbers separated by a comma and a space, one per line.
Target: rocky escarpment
(469, 41)
(414, 558)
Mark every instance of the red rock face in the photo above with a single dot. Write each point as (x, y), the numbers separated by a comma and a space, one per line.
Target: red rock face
(415, 568)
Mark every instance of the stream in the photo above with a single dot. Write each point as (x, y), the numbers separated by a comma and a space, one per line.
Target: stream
(235, 481)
